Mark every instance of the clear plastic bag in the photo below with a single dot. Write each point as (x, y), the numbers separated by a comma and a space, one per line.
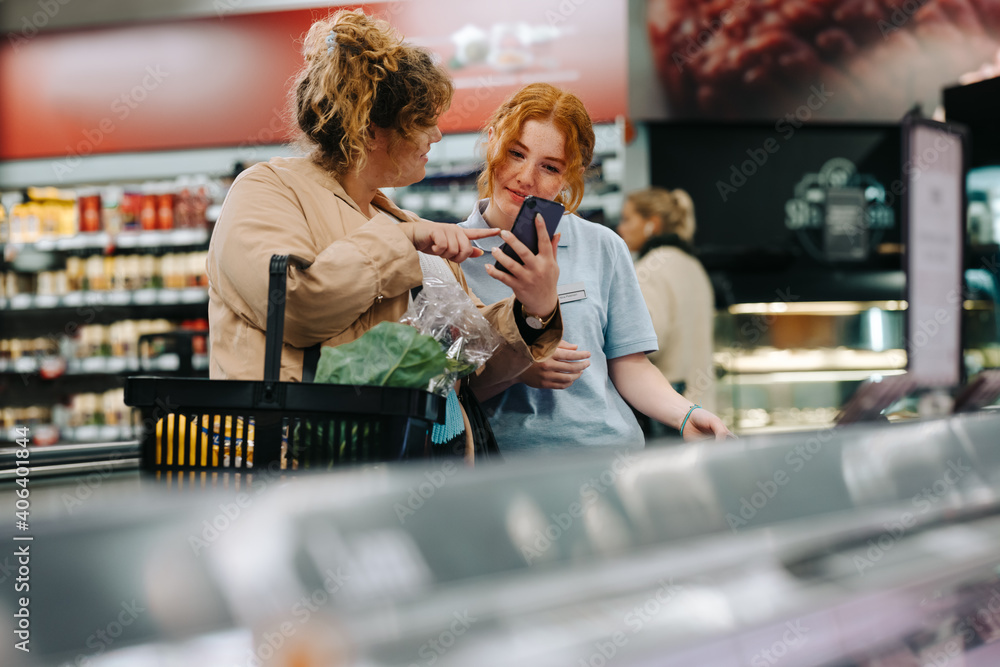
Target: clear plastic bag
(445, 312)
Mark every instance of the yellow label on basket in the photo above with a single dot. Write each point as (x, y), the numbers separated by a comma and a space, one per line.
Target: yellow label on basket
(230, 439)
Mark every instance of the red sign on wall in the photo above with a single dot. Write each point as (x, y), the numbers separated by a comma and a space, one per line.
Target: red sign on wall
(223, 81)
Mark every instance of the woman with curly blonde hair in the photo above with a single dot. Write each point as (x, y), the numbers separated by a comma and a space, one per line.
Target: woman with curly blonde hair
(366, 105)
(539, 143)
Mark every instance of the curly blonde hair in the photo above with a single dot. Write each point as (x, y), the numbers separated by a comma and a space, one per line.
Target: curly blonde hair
(542, 102)
(358, 72)
(674, 209)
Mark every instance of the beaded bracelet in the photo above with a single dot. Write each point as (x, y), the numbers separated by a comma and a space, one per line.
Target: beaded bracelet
(688, 415)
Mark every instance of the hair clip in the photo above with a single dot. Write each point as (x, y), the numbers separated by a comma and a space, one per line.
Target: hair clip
(331, 42)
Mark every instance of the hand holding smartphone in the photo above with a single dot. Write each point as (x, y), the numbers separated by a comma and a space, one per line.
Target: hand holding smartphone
(524, 226)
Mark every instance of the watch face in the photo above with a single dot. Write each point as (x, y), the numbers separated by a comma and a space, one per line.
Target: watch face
(533, 322)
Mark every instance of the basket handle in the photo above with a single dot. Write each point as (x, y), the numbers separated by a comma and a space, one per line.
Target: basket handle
(275, 332)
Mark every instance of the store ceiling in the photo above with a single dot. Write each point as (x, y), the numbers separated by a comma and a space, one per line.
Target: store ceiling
(20, 16)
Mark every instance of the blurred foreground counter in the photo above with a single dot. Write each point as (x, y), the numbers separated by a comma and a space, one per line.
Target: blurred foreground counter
(865, 545)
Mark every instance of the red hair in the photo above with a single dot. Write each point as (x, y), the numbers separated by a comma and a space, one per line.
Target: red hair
(542, 102)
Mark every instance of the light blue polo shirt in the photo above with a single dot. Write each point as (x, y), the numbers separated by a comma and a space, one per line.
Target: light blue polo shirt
(604, 313)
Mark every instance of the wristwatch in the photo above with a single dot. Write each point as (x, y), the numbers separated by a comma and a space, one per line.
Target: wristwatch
(534, 321)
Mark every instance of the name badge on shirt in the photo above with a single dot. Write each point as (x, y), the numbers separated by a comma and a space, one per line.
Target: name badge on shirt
(572, 292)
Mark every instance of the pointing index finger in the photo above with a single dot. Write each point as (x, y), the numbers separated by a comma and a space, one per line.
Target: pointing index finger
(480, 233)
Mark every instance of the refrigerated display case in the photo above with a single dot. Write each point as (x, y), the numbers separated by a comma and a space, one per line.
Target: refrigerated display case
(792, 365)
(866, 545)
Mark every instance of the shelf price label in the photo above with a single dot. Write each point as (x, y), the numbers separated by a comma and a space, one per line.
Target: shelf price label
(116, 364)
(95, 298)
(94, 365)
(194, 295)
(168, 297)
(119, 298)
(73, 299)
(46, 301)
(21, 301)
(144, 297)
(25, 365)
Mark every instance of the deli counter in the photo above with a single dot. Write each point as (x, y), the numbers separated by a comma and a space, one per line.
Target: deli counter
(865, 545)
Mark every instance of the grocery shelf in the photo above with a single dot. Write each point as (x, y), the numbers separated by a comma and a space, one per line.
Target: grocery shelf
(51, 367)
(141, 297)
(792, 376)
(126, 239)
(88, 433)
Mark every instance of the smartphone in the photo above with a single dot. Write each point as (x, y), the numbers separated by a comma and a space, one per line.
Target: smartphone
(524, 225)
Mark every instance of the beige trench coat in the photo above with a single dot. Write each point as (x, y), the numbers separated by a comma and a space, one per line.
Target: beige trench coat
(360, 273)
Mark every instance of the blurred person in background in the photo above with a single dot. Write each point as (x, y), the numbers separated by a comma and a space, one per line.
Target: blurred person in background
(539, 142)
(658, 225)
(366, 106)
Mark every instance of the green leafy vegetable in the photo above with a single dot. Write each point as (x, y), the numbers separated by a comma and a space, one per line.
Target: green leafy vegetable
(388, 355)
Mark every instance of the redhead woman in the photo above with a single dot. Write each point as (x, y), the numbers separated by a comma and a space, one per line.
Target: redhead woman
(539, 142)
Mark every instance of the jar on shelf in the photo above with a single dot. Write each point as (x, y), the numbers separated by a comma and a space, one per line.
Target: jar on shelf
(132, 272)
(46, 283)
(129, 210)
(102, 340)
(90, 210)
(110, 276)
(165, 211)
(111, 216)
(147, 211)
(197, 277)
(95, 277)
(113, 407)
(48, 222)
(74, 274)
(60, 284)
(148, 277)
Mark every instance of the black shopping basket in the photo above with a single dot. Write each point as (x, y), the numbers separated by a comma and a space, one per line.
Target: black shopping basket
(251, 426)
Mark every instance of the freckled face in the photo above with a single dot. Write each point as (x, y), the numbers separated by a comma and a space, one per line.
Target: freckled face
(535, 165)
